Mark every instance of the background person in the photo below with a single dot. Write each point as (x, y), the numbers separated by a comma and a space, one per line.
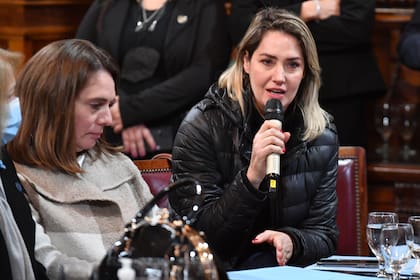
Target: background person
(17, 228)
(82, 191)
(342, 30)
(409, 44)
(9, 64)
(223, 143)
(169, 52)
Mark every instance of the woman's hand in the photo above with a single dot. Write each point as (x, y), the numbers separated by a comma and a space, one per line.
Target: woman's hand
(319, 9)
(281, 241)
(329, 8)
(269, 139)
(135, 139)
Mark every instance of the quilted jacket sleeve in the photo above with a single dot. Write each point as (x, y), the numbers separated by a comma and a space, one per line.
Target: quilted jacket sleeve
(229, 206)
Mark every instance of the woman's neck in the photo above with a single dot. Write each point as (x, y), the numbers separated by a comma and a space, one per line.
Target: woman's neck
(151, 5)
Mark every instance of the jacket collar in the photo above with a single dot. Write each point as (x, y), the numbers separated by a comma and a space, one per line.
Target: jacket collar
(293, 121)
(90, 185)
(231, 109)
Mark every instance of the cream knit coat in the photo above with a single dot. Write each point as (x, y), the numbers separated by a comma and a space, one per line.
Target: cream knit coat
(79, 217)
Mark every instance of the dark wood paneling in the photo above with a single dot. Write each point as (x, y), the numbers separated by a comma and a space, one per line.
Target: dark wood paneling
(394, 185)
(27, 26)
(403, 85)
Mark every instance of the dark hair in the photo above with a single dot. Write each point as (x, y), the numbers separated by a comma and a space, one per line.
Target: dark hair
(47, 87)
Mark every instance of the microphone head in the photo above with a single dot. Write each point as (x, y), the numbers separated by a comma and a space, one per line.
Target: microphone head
(273, 110)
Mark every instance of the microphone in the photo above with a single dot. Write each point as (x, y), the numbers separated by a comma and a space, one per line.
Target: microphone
(274, 113)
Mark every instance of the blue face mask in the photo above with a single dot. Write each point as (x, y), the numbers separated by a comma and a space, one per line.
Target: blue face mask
(13, 120)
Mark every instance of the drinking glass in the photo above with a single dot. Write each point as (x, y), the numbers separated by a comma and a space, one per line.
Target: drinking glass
(151, 268)
(415, 222)
(373, 230)
(384, 123)
(408, 127)
(396, 242)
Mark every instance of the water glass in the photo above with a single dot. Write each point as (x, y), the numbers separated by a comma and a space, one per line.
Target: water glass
(415, 222)
(373, 230)
(385, 124)
(408, 112)
(396, 242)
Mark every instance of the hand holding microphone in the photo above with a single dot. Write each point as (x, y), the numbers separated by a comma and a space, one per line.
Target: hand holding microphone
(274, 113)
(268, 140)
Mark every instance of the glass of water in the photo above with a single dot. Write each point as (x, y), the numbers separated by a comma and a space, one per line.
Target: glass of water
(396, 242)
(415, 222)
(373, 231)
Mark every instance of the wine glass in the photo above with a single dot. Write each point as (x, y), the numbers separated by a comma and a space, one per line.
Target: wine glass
(373, 230)
(396, 242)
(415, 222)
(384, 125)
(408, 127)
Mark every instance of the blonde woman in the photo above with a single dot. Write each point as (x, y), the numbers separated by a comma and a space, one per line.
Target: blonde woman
(224, 142)
(343, 31)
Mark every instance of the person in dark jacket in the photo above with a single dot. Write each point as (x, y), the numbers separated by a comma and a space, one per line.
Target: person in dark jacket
(224, 141)
(342, 29)
(169, 52)
(17, 234)
(409, 44)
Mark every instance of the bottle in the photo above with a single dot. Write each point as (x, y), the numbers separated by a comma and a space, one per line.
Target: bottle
(126, 272)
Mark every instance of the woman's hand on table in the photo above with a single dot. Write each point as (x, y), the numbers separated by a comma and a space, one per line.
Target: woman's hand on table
(281, 241)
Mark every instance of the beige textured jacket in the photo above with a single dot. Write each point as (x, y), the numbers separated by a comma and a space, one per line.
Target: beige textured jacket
(80, 217)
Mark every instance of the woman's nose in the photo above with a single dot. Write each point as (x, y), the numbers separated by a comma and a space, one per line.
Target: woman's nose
(279, 74)
(105, 118)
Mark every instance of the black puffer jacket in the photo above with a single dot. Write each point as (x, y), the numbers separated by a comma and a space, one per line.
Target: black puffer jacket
(214, 145)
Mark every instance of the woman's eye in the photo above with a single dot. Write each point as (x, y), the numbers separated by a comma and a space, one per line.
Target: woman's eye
(96, 106)
(267, 61)
(293, 66)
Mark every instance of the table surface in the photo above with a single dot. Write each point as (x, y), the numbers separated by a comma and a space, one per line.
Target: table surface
(314, 272)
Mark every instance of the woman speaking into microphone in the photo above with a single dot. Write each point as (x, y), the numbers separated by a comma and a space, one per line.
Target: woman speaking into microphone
(224, 143)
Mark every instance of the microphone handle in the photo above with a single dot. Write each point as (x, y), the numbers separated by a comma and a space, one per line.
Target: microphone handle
(273, 166)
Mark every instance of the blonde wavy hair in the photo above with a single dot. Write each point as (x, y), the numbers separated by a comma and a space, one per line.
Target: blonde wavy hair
(234, 78)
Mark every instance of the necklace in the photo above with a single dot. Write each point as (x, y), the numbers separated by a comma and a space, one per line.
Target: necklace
(148, 22)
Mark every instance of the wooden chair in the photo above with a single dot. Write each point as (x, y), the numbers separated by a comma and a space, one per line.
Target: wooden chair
(352, 201)
(157, 173)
